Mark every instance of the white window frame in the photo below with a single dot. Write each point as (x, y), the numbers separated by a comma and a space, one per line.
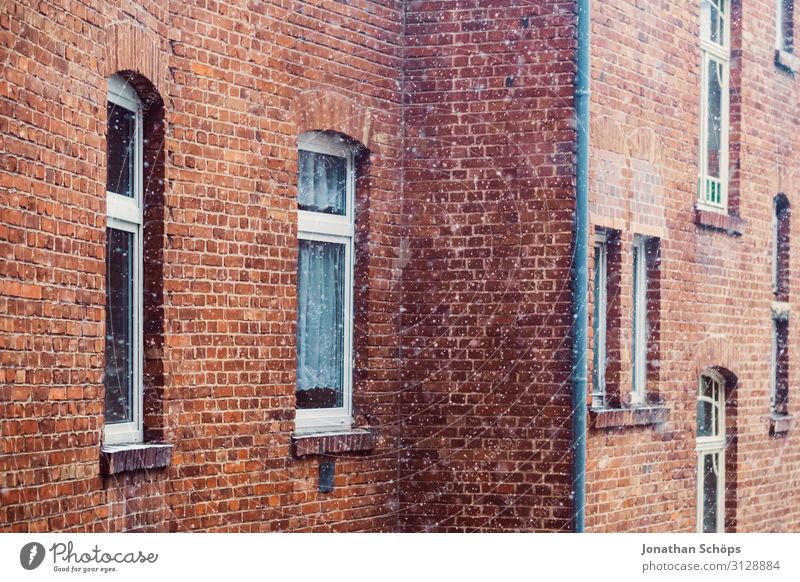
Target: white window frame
(126, 214)
(639, 321)
(600, 319)
(721, 54)
(318, 226)
(712, 445)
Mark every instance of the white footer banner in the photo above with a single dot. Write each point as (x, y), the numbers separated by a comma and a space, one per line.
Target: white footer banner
(406, 557)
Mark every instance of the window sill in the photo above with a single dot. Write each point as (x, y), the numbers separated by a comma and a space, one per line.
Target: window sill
(326, 443)
(787, 61)
(115, 459)
(780, 423)
(781, 310)
(718, 220)
(637, 415)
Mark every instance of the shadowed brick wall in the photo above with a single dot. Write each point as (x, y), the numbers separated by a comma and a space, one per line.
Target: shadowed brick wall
(486, 292)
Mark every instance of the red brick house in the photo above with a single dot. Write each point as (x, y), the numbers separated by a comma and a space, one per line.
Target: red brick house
(306, 266)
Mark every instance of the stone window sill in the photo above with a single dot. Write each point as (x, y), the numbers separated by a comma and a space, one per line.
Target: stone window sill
(642, 415)
(781, 310)
(780, 423)
(787, 61)
(732, 225)
(115, 459)
(327, 443)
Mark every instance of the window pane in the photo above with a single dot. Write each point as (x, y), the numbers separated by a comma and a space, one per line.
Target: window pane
(712, 20)
(785, 25)
(121, 150)
(710, 477)
(708, 408)
(776, 243)
(320, 325)
(780, 251)
(705, 418)
(119, 326)
(599, 364)
(781, 36)
(781, 366)
(322, 183)
(714, 119)
(639, 341)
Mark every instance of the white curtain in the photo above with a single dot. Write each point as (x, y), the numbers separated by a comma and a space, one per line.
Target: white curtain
(321, 183)
(320, 324)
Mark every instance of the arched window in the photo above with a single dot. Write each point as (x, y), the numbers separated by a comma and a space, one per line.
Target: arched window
(711, 453)
(326, 227)
(124, 203)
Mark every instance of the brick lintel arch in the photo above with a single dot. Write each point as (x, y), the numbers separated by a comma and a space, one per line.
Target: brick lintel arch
(319, 110)
(718, 354)
(135, 49)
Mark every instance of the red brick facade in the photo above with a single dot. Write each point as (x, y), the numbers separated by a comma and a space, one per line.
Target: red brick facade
(486, 289)
(236, 84)
(715, 284)
(465, 199)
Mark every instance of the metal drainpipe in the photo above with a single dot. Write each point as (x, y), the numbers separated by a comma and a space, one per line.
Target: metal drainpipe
(581, 267)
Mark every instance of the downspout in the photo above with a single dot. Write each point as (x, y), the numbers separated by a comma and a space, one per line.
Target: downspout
(581, 267)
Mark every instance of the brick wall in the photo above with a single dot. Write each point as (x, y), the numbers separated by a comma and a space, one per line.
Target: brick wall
(769, 467)
(238, 82)
(715, 287)
(486, 294)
